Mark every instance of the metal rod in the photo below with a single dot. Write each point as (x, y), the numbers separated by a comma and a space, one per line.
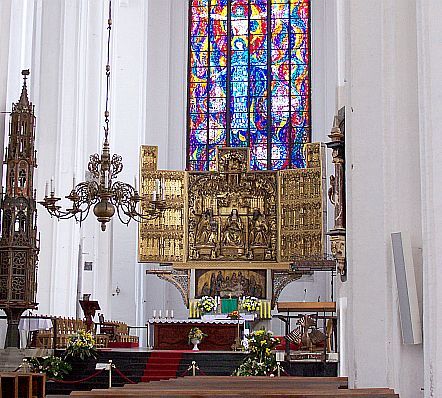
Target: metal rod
(110, 373)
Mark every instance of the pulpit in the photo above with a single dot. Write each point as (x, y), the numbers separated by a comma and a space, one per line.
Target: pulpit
(89, 307)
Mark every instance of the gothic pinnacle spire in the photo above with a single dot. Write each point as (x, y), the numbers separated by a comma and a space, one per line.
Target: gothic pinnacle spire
(24, 100)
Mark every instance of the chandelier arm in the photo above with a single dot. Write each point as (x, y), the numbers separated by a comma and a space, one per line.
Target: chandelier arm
(116, 165)
(127, 200)
(83, 215)
(124, 199)
(128, 217)
(94, 165)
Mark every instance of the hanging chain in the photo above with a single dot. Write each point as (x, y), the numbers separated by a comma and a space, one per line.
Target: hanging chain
(106, 112)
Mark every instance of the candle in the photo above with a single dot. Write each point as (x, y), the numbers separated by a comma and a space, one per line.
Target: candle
(171, 313)
(46, 189)
(154, 196)
(52, 186)
(167, 313)
(135, 183)
(157, 185)
(73, 181)
(154, 313)
(159, 313)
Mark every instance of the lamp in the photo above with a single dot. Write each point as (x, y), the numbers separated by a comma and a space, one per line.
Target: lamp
(117, 291)
(102, 192)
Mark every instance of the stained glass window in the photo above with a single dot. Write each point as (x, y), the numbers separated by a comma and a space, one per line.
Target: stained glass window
(249, 81)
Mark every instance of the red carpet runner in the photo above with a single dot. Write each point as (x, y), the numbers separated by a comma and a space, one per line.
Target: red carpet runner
(162, 365)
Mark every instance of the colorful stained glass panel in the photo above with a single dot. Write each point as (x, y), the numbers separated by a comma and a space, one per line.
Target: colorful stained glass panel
(249, 80)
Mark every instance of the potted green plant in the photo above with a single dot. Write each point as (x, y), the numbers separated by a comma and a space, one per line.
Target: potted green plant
(196, 335)
(260, 361)
(54, 367)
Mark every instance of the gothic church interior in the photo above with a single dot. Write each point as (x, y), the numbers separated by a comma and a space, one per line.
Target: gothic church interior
(193, 85)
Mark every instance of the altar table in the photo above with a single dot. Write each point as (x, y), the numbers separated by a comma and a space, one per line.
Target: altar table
(172, 334)
(33, 324)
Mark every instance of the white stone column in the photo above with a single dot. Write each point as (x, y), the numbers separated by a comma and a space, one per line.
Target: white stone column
(429, 32)
(5, 24)
(383, 180)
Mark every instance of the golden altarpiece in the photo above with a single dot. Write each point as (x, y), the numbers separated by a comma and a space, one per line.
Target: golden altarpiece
(233, 230)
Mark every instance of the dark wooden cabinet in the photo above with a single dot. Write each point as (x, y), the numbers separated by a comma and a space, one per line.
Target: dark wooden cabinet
(22, 385)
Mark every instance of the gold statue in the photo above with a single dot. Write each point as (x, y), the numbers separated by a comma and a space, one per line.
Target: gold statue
(206, 231)
(233, 234)
(259, 229)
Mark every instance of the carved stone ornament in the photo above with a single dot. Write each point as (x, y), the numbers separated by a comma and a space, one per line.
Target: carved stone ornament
(179, 278)
(280, 280)
(336, 192)
(338, 252)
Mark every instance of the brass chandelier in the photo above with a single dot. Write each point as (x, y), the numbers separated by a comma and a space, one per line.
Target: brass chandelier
(102, 191)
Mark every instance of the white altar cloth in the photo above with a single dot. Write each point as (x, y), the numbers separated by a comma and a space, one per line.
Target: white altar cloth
(32, 324)
(220, 317)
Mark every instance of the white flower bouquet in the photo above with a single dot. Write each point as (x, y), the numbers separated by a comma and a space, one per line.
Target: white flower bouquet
(249, 303)
(207, 304)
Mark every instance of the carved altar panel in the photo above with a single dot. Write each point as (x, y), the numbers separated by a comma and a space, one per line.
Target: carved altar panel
(162, 239)
(229, 282)
(301, 208)
(232, 216)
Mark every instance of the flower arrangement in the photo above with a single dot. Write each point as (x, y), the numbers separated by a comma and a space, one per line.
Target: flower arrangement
(207, 304)
(261, 361)
(54, 367)
(81, 345)
(249, 303)
(233, 315)
(196, 334)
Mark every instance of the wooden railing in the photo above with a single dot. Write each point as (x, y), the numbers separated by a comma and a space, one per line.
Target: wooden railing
(64, 328)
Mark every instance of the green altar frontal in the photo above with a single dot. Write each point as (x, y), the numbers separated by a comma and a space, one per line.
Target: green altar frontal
(228, 305)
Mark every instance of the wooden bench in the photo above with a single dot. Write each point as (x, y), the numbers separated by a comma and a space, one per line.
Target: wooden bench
(202, 391)
(234, 386)
(265, 382)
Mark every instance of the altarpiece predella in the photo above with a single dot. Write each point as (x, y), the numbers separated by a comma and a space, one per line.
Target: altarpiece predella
(233, 231)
